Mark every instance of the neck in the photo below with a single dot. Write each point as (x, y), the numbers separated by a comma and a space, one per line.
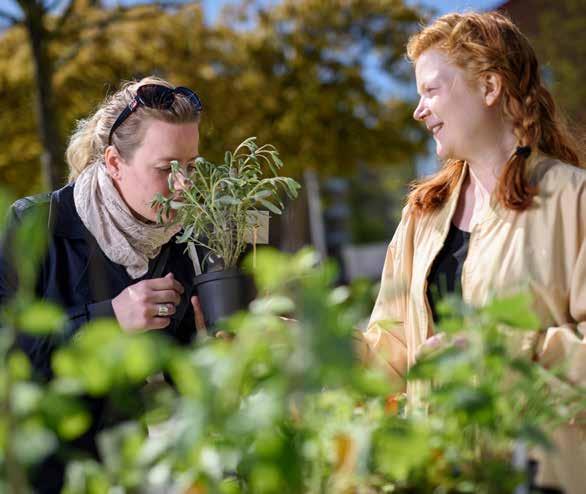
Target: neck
(488, 159)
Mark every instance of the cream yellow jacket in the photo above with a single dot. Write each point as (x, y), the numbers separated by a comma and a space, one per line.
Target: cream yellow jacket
(543, 248)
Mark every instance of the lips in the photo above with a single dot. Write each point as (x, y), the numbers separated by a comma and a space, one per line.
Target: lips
(434, 129)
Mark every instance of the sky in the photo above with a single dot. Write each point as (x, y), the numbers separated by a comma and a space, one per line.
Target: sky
(213, 7)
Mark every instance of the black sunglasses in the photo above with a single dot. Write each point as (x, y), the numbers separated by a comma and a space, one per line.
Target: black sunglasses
(155, 96)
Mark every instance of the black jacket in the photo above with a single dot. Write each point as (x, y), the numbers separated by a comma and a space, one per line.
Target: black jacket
(77, 275)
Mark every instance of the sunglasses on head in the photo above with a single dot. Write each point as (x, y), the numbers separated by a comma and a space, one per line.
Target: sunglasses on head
(155, 96)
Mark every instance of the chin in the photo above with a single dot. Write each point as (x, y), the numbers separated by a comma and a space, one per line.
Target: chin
(443, 153)
(440, 152)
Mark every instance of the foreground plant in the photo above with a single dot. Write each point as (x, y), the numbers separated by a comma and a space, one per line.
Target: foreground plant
(285, 407)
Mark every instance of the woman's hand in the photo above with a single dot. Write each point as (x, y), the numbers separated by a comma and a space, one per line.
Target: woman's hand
(200, 324)
(440, 341)
(148, 304)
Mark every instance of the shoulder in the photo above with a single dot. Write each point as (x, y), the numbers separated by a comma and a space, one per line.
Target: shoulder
(405, 226)
(555, 177)
(26, 204)
(58, 206)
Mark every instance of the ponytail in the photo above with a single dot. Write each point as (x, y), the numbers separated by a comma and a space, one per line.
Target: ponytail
(83, 146)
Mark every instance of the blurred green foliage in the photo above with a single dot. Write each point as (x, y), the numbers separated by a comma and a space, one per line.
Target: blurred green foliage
(286, 405)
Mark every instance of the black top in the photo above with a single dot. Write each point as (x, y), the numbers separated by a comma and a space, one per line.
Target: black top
(446, 272)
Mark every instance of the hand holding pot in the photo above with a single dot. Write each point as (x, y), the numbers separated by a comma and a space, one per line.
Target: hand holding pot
(200, 323)
(148, 304)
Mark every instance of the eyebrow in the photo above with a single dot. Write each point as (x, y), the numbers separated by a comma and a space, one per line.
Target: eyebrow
(431, 82)
(168, 159)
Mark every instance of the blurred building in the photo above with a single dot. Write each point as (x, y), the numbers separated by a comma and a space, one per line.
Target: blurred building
(557, 31)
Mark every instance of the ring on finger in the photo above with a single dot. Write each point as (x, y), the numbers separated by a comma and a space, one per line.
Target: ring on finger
(162, 310)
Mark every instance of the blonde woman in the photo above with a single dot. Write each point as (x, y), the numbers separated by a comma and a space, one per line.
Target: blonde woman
(507, 209)
(107, 254)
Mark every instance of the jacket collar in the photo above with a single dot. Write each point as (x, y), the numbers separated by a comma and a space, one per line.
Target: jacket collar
(63, 217)
(537, 165)
(446, 213)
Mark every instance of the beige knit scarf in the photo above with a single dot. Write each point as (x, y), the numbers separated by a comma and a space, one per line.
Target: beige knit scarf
(122, 237)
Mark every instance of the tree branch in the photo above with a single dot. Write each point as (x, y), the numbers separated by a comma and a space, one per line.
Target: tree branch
(64, 16)
(118, 13)
(54, 4)
(121, 14)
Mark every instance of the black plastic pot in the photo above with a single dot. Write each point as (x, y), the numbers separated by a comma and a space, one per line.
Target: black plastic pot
(222, 293)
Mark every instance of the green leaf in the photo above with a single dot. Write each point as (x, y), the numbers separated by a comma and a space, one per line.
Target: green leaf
(19, 366)
(515, 311)
(86, 476)
(186, 234)
(262, 194)
(33, 442)
(41, 318)
(230, 200)
(339, 295)
(372, 382)
(270, 206)
(272, 305)
(25, 397)
(400, 450)
(66, 414)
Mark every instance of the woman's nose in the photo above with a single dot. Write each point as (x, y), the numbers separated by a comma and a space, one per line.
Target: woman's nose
(180, 181)
(420, 111)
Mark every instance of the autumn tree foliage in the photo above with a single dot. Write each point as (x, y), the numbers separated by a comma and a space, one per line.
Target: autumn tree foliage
(294, 73)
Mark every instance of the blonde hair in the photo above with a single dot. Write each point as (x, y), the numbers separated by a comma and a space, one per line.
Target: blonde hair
(490, 42)
(90, 138)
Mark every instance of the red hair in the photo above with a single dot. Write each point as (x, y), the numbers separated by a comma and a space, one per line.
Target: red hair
(490, 42)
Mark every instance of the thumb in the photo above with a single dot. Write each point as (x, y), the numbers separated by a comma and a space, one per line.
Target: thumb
(200, 324)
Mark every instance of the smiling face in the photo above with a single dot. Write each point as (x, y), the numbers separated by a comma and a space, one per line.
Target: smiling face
(452, 108)
(140, 177)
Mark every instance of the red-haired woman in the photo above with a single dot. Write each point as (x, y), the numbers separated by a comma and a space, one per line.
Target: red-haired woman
(507, 209)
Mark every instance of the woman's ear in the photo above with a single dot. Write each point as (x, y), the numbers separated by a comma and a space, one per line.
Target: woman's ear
(113, 162)
(491, 85)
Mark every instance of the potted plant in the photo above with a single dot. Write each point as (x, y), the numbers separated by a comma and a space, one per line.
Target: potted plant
(223, 208)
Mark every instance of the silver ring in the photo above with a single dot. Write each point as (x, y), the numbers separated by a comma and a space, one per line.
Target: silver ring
(162, 310)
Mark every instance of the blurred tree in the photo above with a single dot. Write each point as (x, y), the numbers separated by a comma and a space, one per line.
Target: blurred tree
(293, 74)
(556, 30)
(561, 45)
(298, 78)
(43, 25)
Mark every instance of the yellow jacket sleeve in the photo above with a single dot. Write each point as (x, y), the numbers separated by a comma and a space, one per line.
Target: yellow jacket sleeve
(384, 340)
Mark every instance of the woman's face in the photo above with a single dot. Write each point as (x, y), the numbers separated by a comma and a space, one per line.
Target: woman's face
(146, 173)
(452, 108)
